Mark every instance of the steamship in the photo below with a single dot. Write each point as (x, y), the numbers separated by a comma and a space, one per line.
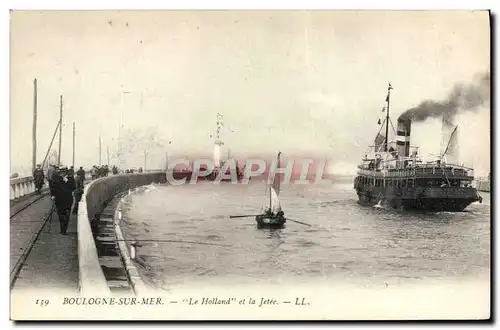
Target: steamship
(393, 173)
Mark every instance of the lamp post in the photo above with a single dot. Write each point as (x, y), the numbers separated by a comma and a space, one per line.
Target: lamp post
(166, 154)
(120, 142)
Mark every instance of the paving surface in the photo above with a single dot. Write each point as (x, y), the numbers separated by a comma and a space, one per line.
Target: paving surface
(53, 261)
(25, 225)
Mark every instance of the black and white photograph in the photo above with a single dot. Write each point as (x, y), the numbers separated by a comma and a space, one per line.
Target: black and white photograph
(256, 165)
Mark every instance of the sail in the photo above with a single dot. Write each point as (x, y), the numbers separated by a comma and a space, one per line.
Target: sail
(449, 143)
(275, 201)
(277, 178)
(450, 153)
(379, 142)
(273, 188)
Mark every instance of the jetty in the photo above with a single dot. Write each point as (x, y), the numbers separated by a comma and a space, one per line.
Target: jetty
(90, 259)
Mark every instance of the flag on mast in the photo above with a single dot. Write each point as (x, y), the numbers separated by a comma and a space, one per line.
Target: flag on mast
(388, 91)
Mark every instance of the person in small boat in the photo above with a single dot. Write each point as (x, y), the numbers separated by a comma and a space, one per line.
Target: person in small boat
(280, 214)
(268, 212)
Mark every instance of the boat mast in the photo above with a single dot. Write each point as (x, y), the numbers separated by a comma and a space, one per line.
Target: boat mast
(277, 183)
(270, 198)
(388, 100)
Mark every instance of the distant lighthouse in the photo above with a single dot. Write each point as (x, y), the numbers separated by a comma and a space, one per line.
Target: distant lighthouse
(218, 143)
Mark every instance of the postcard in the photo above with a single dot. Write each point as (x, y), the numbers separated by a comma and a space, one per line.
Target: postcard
(185, 165)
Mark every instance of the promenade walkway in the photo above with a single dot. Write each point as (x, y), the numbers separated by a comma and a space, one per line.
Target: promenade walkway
(44, 261)
(51, 263)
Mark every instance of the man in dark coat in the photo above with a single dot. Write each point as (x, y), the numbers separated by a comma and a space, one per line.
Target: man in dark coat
(50, 174)
(55, 177)
(81, 173)
(71, 171)
(71, 182)
(39, 177)
(77, 193)
(95, 172)
(63, 198)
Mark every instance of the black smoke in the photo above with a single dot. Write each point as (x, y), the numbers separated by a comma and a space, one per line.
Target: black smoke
(462, 98)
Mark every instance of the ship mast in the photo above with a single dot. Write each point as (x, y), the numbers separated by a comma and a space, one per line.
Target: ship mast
(270, 198)
(218, 143)
(388, 100)
(219, 125)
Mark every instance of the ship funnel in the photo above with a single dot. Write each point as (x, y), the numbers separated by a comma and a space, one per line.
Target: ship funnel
(403, 136)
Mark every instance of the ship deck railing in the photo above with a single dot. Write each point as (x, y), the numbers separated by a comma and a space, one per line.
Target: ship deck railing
(421, 171)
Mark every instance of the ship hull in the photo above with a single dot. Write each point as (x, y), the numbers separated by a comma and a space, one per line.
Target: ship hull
(441, 204)
(426, 204)
(445, 198)
(421, 201)
(264, 221)
(213, 177)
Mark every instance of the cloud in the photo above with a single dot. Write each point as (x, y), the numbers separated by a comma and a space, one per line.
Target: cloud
(321, 104)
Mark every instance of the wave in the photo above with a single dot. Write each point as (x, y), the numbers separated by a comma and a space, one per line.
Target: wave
(358, 239)
(349, 201)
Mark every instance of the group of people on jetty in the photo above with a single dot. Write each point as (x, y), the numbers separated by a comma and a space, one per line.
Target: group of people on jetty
(66, 186)
(102, 171)
(66, 189)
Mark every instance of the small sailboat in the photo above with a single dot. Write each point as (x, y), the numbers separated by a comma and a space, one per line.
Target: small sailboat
(273, 215)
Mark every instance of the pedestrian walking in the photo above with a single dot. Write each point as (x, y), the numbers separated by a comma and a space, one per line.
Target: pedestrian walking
(63, 198)
(77, 194)
(50, 176)
(39, 178)
(81, 173)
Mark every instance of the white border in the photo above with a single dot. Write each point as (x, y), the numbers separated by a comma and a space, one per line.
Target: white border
(144, 4)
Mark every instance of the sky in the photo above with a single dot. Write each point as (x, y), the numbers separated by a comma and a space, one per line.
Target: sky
(305, 83)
